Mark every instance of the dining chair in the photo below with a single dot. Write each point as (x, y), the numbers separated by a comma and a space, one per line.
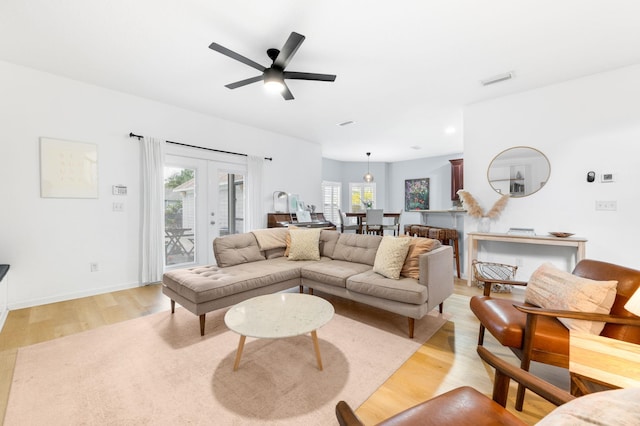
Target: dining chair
(346, 225)
(373, 224)
(395, 226)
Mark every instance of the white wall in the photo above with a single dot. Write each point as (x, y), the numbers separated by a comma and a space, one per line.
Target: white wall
(591, 123)
(49, 243)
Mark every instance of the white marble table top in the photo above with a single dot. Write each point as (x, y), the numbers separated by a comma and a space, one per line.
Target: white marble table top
(279, 315)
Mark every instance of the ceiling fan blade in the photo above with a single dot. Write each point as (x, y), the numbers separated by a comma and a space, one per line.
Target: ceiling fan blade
(288, 50)
(293, 75)
(243, 82)
(236, 56)
(286, 93)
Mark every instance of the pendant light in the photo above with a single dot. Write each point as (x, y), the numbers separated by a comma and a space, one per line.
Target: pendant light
(368, 177)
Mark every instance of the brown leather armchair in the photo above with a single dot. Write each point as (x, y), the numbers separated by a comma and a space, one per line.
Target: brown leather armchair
(535, 334)
(465, 405)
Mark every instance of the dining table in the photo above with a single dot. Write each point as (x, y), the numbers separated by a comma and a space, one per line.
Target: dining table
(361, 216)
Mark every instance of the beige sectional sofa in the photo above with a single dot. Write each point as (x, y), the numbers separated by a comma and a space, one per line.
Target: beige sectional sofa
(254, 263)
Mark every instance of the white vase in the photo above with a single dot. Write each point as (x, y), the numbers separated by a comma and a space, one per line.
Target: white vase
(484, 224)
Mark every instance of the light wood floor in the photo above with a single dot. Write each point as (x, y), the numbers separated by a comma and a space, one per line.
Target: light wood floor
(446, 361)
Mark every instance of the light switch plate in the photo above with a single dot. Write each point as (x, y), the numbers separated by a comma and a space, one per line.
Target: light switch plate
(607, 177)
(119, 190)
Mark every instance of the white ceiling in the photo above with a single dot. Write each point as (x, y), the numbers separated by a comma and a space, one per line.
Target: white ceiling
(404, 69)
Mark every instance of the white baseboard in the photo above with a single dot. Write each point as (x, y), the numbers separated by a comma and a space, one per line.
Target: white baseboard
(3, 317)
(70, 296)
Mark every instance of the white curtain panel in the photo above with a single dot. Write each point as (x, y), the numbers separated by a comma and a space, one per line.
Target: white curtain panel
(256, 218)
(152, 222)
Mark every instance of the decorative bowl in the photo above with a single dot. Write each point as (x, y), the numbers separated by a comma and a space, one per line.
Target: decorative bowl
(561, 234)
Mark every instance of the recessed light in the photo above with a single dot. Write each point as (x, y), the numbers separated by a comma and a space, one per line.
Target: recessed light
(346, 123)
(497, 78)
(450, 130)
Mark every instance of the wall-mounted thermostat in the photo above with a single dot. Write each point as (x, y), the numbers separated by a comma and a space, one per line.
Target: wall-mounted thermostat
(119, 190)
(607, 177)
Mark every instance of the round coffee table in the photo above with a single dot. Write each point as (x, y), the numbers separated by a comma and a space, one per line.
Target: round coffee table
(279, 315)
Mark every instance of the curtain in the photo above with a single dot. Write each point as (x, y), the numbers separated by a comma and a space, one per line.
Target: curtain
(152, 221)
(255, 218)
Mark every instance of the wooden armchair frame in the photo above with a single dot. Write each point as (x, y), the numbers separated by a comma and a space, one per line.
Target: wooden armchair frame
(467, 406)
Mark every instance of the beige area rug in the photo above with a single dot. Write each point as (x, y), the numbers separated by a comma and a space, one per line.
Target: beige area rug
(157, 370)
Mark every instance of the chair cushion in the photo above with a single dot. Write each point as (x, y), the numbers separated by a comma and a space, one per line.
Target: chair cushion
(390, 256)
(552, 288)
(507, 325)
(461, 406)
(614, 407)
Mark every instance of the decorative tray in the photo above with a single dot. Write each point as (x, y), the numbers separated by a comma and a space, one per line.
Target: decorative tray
(561, 234)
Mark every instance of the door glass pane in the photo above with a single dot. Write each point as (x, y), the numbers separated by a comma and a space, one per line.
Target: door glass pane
(179, 215)
(231, 203)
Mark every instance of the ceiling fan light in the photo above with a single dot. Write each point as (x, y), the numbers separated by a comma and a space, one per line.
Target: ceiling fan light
(274, 86)
(273, 81)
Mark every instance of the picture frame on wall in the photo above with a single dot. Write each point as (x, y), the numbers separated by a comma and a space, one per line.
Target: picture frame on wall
(416, 194)
(68, 169)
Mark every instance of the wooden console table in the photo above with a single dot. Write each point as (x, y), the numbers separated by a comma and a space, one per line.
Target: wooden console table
(475, 237)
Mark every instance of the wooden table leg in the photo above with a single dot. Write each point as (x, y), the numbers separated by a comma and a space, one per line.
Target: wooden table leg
(239, 352)
(316, 346)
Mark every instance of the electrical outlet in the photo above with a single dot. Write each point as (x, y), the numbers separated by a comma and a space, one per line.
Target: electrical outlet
(607, 205)
(93, 266)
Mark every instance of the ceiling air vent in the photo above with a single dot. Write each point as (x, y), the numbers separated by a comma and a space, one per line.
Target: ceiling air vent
(497, 78)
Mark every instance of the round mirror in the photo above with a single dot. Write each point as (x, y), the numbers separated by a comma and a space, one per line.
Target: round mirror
(519, 171)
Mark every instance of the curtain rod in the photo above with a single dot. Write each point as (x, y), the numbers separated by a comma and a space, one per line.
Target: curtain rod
(132, 135)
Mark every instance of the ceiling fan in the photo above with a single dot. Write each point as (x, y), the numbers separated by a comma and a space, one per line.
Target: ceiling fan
(274, 75)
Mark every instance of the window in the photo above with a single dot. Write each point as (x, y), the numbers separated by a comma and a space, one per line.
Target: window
(361, 193)
(331, 201)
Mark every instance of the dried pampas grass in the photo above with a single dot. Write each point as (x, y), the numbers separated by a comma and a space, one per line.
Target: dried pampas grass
(475, 210)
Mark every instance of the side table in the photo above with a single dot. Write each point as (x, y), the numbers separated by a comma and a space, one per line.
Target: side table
(599, 363)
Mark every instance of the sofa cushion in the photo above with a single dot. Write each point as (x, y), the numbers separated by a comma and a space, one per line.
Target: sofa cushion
(418, 246)
(357, 248)
(328, 241)
(406, 290)
(270, 238)
(331, 272)
(390, 256)
(553, 288)
(206, 283)
(236, 249)
(305, 244)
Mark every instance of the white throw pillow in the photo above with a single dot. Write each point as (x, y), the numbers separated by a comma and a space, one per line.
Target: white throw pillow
(390, 256)
(305, 244)
(552, 288)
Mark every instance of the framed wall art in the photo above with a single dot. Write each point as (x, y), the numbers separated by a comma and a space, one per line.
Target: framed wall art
(68, 169)
(416, 194)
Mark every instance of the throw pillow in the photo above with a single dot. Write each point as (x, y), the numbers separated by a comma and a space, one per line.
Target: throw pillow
(417, 246)
(271, 238)
(305, 244)
(287, 240)
(552, 288)
(390, 256)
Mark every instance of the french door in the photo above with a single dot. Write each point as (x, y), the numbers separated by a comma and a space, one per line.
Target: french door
(204, 199)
